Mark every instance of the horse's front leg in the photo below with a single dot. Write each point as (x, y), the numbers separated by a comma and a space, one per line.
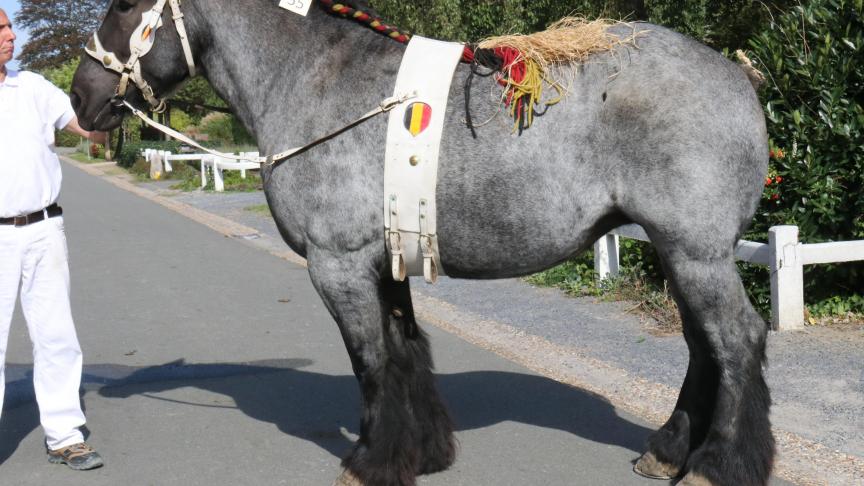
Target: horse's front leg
(405, 429)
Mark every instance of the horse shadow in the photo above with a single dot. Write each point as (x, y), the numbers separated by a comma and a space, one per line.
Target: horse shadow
(315, 406)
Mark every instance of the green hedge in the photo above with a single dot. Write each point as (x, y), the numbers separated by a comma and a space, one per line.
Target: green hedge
(813, 57)
(727, 24)
(62, 138)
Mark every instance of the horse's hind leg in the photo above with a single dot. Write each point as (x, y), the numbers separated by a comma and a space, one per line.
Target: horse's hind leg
(719, 433)
(405, 430)
(669, 447)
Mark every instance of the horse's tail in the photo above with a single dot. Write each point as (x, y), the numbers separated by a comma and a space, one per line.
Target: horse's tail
(754, 75)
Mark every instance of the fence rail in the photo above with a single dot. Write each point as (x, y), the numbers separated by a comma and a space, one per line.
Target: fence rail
(783, 254)
(160, 159)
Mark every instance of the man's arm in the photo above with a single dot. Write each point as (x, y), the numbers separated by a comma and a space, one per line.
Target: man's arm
(95, 137)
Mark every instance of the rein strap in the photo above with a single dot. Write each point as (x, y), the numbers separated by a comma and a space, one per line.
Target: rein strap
(385, 106)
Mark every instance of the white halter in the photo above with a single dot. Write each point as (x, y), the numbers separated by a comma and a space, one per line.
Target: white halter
(140, 43)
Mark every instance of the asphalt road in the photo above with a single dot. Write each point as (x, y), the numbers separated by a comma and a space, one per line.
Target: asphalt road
(211, 362)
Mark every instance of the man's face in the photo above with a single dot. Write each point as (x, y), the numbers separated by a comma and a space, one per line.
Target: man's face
(7, 39)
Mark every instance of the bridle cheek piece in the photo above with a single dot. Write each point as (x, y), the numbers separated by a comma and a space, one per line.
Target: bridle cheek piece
(140, 43)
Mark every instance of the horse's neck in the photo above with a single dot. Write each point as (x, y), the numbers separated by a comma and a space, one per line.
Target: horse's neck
(291, 79)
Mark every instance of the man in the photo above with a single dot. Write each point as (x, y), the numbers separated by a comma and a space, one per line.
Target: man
(33, 251)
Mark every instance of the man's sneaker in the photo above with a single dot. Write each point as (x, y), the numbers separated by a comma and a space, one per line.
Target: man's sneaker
(80, 457)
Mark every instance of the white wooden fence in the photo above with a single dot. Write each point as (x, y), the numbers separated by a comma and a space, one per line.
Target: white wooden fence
(208, 163)
(219, 164)
(783, 254)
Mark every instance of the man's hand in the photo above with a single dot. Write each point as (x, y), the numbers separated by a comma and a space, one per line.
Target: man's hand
(98, 137)
(95, 137)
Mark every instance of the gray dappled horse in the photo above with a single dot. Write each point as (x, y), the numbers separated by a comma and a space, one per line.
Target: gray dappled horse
(669, 135)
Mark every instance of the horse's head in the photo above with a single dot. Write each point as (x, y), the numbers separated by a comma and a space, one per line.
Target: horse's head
(139, 54)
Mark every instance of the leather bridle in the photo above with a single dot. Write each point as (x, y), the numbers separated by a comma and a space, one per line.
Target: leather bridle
(140, 43)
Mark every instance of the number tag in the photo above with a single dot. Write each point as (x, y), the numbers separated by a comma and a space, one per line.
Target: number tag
(297, 6)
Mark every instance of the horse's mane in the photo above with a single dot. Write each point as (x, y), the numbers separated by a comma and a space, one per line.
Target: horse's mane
(362, 5)
(360, 12)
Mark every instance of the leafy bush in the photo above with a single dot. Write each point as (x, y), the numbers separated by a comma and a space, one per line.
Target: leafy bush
(575, 276)
(218, 127)
(222, 128)
(132, 150)
(63, 138)
(61, 76)
(180, 120)
(140, 169)
(812, 56)
(726, 24)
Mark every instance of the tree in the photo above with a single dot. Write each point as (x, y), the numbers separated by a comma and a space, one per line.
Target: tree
(61, 76)
(58, 30)
(727, 24)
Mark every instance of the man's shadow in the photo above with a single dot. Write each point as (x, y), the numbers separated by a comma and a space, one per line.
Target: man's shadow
(314, 406)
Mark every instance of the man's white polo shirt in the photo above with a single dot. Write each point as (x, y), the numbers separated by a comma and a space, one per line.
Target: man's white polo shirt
(30, 109)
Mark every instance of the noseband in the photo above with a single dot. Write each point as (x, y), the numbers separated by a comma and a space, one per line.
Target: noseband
(140, 44)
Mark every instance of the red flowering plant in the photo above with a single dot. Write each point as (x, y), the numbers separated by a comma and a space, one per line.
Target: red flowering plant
(772, 190)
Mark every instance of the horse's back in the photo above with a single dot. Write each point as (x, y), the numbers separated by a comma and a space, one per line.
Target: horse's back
(659, 131)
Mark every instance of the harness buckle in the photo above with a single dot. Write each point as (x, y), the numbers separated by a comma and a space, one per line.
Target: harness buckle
(391, 102)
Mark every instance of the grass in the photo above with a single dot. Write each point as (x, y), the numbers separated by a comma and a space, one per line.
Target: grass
(850, 320)
(79, 157)
(652, 303)
(191, 181)
(655, 304)
(261, 209)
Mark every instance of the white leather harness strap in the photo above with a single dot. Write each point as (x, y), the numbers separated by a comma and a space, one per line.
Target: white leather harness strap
(411, 161)
(140, 43)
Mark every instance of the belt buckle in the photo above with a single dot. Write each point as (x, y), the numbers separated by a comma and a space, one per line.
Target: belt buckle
(22, 220)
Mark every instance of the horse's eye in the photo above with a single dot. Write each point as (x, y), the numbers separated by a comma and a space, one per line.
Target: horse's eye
(123, 6)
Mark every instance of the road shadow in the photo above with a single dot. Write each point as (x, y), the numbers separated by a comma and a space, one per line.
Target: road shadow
(20, 413)
(313, 406)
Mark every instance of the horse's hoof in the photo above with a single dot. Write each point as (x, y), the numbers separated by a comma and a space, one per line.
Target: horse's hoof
(347, 478)
(695, 479)
(650, 467)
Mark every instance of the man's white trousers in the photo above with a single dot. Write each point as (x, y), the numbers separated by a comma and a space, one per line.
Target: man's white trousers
(35, 258)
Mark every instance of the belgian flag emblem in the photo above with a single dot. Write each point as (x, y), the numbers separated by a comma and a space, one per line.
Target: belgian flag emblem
(417, 118)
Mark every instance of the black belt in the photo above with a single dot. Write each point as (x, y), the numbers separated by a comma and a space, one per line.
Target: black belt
(52, 211)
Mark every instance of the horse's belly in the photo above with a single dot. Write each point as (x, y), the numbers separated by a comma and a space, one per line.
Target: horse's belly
(478, 243)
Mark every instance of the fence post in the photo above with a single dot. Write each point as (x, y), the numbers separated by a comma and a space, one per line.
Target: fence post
(218, 181)
(203, 172)
(166, 161)
(787, 278)
(155, 165)
(606, 257)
